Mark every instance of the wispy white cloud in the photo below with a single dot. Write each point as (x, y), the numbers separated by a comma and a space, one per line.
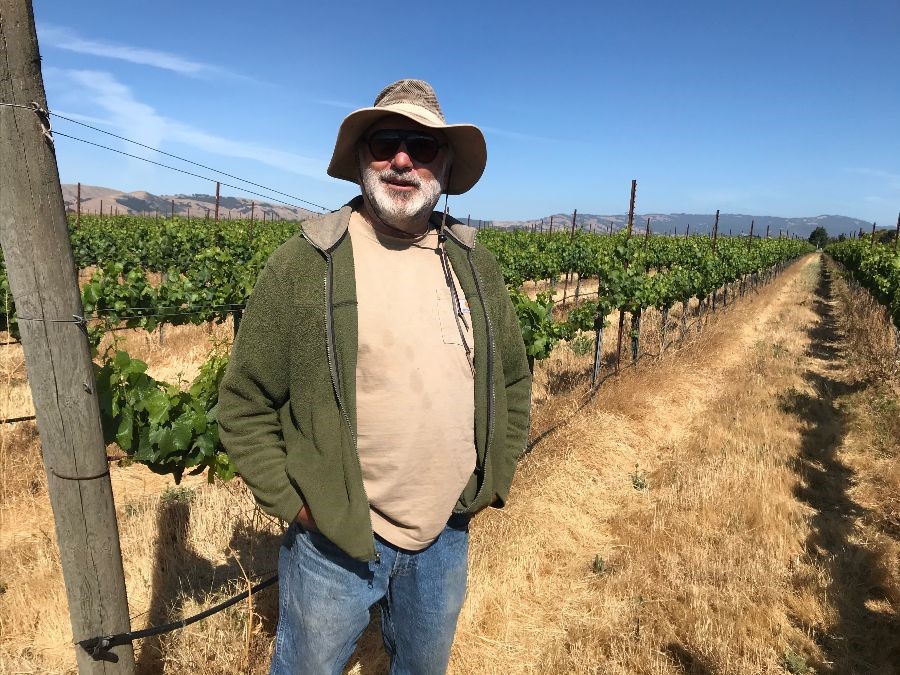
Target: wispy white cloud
(64, 38)
(332, 103)
(141, 122)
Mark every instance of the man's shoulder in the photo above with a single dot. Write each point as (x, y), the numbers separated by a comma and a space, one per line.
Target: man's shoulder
(289, 253)
(314, 235)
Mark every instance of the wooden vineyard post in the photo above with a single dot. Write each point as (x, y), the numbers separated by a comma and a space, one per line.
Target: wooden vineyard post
(896, 241)
(237, 314)
(636, 316)
(687, 231)
(172, 214)
(78, 207)
(218, 186)
(872, 238)
(569, 270)
(715, 241)
(41, 268)
(162, 324)
(598, 348)
(635, 335)
(627, 237)
(662, 332)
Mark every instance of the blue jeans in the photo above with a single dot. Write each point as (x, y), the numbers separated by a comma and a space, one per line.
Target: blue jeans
(325, 597)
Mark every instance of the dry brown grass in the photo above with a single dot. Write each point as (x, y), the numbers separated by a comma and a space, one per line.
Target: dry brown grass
(707, 512)
(874, 350)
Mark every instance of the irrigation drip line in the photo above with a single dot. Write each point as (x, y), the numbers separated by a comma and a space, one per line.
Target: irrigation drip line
(98, 647)
(11, 420)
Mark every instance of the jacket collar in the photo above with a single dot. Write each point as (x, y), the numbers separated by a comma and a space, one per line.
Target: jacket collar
(327, 231)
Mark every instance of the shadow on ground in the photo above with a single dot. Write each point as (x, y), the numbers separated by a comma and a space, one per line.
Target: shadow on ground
(179, 574)
(862, 639)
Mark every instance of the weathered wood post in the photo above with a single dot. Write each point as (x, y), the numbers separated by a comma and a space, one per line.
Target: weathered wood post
(715, 240)
(44, 284)
(627, 237)
(897, 234)
(569, 269)
(218, 187)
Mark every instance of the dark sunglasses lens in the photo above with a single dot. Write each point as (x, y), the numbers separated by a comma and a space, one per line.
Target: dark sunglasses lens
(422, 148)
(384, 146)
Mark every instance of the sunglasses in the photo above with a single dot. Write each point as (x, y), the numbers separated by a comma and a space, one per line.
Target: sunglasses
(385, 143)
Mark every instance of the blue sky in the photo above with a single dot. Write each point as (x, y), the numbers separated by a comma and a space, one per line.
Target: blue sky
(787, 108)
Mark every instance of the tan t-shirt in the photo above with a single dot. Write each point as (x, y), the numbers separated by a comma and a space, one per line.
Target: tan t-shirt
(415, 405)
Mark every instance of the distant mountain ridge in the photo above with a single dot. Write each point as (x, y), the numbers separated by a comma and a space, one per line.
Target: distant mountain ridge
(699, 223)
(114, 201)
(196, 205)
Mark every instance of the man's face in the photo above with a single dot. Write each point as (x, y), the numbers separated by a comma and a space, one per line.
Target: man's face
(401, 190)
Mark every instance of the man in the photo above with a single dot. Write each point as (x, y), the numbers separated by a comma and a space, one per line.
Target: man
(378, 394)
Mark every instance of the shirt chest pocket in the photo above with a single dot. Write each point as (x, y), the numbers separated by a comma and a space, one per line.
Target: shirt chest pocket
(452, 333)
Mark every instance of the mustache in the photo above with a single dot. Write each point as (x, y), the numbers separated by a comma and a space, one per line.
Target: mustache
(397, 177)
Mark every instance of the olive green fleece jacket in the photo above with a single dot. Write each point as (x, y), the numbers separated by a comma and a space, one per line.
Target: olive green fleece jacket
(287, 403)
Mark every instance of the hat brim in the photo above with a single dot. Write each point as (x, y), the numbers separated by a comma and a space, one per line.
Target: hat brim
(467, 141)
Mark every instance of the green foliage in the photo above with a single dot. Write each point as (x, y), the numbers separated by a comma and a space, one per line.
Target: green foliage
(582, 344)
(638, 479)
(818, 237)
(539, 331)
(795, 663)
(208, 267)
(178, 494)
(874, 266)
(169, 429)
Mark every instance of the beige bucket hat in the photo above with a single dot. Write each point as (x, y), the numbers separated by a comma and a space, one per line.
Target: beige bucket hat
(416, 100)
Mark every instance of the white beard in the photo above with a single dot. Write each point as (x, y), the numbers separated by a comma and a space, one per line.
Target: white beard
(405, 210)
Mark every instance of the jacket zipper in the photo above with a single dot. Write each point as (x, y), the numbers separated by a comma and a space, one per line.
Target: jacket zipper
(330, 349)
(490, 370)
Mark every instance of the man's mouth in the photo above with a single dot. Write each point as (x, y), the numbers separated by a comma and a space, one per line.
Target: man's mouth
(401, 185)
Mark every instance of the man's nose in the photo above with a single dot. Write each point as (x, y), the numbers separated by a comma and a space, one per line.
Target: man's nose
(401, 159)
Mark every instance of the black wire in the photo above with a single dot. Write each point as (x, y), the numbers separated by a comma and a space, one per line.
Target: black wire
(97, 647)
(189, 173)
(11, 420)
(188, 161)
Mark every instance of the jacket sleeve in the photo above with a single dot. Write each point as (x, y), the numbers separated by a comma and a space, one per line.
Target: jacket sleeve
(516, 374)
(254, 388)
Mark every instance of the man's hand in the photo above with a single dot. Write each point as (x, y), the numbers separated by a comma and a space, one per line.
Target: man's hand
(307, 522)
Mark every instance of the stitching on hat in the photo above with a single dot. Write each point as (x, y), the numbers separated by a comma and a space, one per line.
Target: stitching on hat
(416, 92)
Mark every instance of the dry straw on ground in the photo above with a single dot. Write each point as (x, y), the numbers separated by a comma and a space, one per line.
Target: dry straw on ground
(729, 508)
